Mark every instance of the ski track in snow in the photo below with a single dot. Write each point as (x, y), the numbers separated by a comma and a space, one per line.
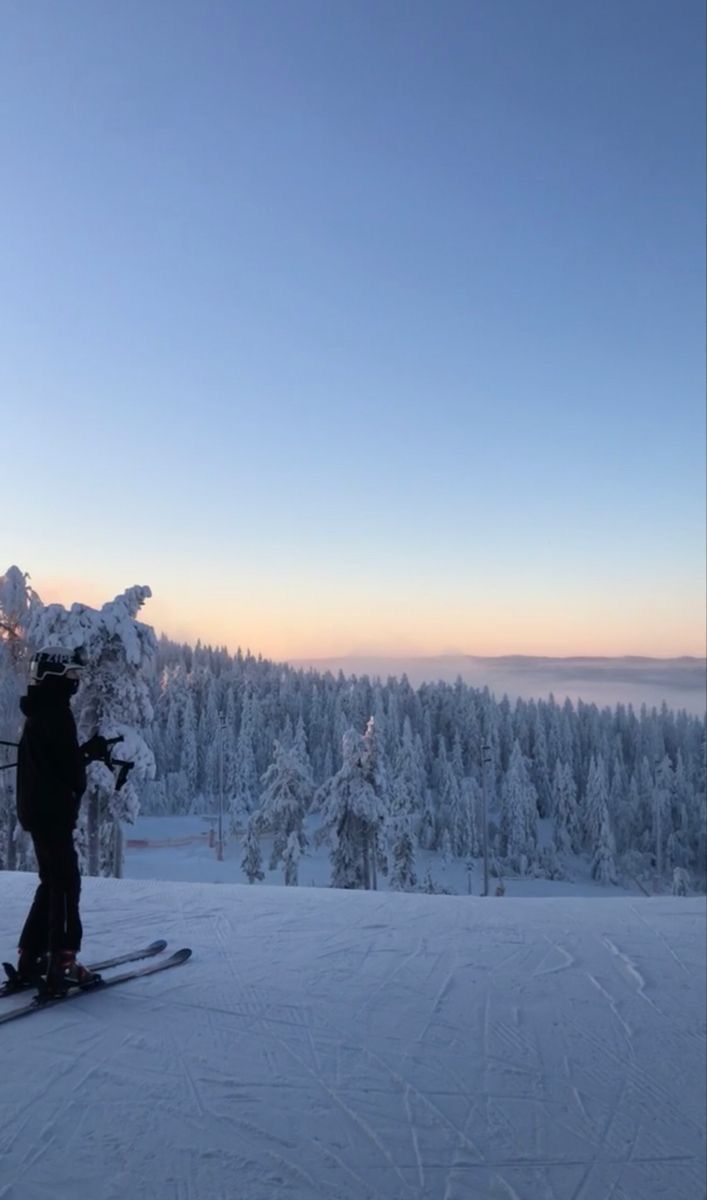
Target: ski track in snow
(323, 1045)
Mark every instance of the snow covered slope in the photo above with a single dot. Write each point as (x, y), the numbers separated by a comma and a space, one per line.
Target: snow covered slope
(324, 1045)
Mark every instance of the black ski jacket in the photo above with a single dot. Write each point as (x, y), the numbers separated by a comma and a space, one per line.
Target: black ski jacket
(51, 773)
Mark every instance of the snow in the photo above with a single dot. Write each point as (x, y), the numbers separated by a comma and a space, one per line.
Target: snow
(328, 1045)
(194, 861)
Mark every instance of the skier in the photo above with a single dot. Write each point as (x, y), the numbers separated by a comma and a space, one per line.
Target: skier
(51, 779)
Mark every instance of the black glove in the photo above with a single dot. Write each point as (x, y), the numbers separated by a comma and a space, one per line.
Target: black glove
(95, 749)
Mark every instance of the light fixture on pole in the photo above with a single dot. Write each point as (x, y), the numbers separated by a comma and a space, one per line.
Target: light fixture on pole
(487, 762)
(219, 846)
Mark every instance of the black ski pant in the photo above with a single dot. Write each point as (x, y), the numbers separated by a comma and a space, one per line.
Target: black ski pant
(53, 922)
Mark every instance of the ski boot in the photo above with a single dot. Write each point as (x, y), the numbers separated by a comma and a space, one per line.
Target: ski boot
(30, 967)
(29, 972)
(65, 972)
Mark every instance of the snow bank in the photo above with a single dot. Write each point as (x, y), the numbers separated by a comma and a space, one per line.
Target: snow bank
(327, 1045)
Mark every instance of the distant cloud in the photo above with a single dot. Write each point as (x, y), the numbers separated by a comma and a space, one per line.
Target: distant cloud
(680, 682)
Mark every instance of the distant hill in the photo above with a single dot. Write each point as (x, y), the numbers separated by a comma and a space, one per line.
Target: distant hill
(681, 682)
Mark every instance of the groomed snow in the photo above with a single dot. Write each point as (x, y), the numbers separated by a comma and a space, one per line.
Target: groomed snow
(177, 850)
(327, 1045)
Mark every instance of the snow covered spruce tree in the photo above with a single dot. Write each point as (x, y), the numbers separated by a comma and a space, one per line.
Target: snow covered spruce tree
(680, 838)
(603, 865)
(375, 769)
(401, 838)
(352, 813)
(411, 811)
(264, 701)
(246, 789)
(463, 799)
(519, 814)
(252, 861)
(663, 793)
(113, 700)
(188, 750)
(287, 794)
(18, 603)
(290, 860)
(565, 835)
(402, 869)
(596, 802)
(409, 773)
(681, 882)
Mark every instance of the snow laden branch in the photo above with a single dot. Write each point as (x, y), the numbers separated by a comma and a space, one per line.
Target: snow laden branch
(287, 793)
(18, 603)
(114, 701)
(353, 812)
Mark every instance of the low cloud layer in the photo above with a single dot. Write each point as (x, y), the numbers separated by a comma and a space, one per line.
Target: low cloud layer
(680, 682)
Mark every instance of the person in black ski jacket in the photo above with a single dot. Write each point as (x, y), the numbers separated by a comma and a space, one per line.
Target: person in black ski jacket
(51, 779)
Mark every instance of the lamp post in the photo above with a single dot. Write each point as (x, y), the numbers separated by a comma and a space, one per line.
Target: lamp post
(219, 846)
(487, 762)
(658, 800)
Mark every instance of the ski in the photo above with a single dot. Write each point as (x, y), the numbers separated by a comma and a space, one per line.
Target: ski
(134, 956)
(37, 1005)
(12, 987)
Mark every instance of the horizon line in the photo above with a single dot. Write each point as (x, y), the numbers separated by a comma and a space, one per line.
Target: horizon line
(401, 656)
(362, 654)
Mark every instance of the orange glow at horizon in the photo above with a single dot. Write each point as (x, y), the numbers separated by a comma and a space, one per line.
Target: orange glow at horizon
(295, 623)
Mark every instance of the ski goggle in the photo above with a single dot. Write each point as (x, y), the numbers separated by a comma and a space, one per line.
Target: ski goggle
(58, 664)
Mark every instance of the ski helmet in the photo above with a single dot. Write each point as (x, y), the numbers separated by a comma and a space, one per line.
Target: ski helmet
(57, 662)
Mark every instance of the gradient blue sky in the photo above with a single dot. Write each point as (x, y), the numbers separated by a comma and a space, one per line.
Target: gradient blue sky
(359, 326)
